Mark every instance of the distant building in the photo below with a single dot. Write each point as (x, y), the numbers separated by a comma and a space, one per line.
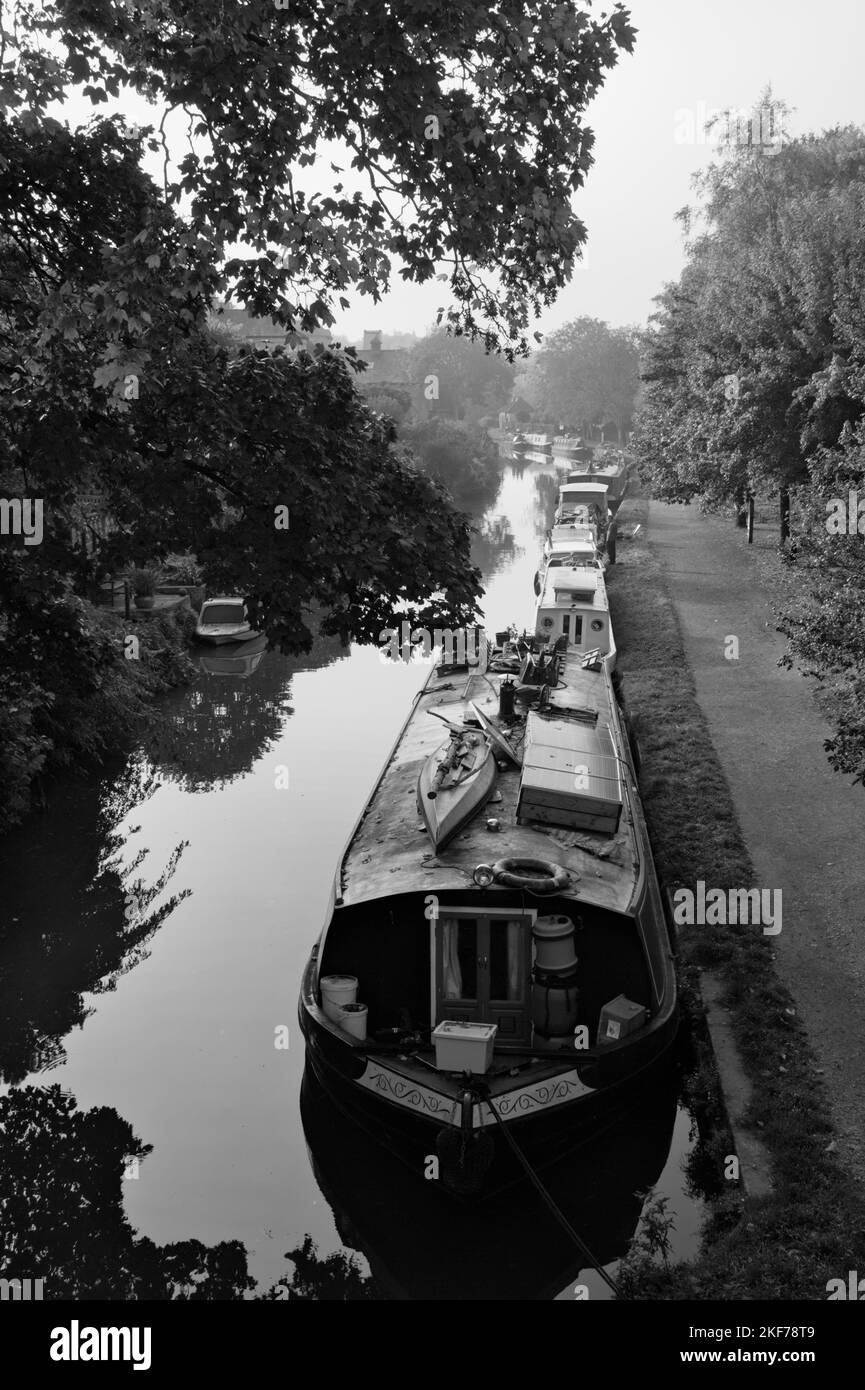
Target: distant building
(385, 366)
(264, 332)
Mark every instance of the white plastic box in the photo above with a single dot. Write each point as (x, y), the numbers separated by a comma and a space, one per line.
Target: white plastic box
(464, 1046)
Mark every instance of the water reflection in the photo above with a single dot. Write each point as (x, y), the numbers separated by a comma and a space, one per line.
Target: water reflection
(422, 1244)
(229, 720)
(61, 1210)
(77, 914)
(493, 545)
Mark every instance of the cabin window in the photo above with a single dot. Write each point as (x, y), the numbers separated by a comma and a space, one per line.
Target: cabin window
(483, 970)
(460, 958)
(506, 956)
(224, 613)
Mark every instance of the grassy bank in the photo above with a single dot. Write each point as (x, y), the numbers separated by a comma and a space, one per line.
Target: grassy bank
(789, 1245)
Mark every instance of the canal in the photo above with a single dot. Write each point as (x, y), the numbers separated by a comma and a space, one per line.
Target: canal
(158, 922)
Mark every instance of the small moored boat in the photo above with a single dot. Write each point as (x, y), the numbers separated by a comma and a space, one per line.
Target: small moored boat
(224, 620)
(454, 783)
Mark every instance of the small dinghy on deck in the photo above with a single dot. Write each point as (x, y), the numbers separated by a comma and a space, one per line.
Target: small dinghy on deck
(454, 784)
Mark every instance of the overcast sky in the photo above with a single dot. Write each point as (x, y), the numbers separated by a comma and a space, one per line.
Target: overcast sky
(716, 52)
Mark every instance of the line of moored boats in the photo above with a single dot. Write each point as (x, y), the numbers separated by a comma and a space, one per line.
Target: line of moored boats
(495, 955)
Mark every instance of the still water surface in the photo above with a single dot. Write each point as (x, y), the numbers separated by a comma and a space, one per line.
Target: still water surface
(176, 1030)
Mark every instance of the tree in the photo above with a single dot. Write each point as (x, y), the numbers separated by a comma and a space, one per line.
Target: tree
(474, 123)
(585, 374)
(463, 376)
(740, 386)
(466, 140)
(459, 457)
(755, 380)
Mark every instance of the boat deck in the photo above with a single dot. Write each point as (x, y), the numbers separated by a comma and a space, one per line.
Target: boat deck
(390, 844)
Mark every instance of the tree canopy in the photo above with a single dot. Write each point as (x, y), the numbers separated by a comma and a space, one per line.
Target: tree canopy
(304, 152)
(754, 382)
(585, 374)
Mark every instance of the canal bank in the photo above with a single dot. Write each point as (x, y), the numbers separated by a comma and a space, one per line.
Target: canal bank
(787, 1244)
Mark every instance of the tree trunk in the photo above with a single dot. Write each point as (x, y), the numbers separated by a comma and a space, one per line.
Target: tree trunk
(785, 515)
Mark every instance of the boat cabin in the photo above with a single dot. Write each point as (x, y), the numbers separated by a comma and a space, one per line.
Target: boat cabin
(591, 495)
(573, 607)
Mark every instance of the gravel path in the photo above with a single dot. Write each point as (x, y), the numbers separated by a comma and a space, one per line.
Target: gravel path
(804, 824)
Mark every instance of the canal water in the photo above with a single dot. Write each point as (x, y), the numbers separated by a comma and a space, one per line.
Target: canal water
(157, 925)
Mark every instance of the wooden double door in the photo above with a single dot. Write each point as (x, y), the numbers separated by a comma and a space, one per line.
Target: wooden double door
(483, 965)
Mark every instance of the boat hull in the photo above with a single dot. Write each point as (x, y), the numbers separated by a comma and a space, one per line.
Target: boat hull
(220, 638)
(548, 1118)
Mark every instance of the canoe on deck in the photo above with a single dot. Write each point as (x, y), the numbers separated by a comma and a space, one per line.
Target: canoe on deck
(454, 783)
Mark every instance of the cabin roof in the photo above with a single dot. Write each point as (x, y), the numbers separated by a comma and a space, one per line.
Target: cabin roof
(579, 490)
(574, 579)
(390, 852)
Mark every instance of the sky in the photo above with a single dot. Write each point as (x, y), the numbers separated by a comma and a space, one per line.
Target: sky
(692, 57)
(721, 53)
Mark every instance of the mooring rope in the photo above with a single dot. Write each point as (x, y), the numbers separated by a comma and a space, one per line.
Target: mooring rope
(556, 1211)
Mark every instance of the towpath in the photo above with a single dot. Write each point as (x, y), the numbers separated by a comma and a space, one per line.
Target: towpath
(804, 824)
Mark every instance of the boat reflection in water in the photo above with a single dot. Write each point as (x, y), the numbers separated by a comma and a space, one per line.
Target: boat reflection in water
(239, 659)
(421, 1245)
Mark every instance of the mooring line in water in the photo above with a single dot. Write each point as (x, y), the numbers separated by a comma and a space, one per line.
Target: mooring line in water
(556, 1211)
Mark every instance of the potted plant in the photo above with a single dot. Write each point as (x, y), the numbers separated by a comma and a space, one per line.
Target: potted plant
(144, 580)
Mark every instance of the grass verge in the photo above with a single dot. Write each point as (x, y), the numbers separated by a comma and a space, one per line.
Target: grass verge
(789, 1245)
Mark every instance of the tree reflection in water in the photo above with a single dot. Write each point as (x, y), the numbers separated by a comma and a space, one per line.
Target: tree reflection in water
(62, 1217)
(78, 927)
(222, 726)
(493, 544)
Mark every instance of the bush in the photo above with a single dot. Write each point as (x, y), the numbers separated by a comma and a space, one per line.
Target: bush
(459, 455)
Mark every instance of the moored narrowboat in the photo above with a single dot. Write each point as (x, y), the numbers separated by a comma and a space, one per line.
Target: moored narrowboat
(520, 978)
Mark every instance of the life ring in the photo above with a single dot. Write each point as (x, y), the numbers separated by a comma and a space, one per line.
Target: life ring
(539, 875)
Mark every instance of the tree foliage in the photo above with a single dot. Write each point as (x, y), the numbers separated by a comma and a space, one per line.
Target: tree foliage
(585, 374)
(754, 375)
(466, 378)
(112, 384)
(459, 457)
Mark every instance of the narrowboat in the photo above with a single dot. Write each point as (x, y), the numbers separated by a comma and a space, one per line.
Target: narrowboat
(572, 610)
(574, 496)
(515, 984)
(571, 447)
(570, 554)
(224, 620)
(609, 469)
(540, 441)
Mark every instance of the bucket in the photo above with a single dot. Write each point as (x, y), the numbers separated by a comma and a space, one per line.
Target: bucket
(554, 942)
(337, 991)
(352, 1019)
(555, 1005)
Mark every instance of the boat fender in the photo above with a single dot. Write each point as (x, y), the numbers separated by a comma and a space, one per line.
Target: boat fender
(540, 875)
